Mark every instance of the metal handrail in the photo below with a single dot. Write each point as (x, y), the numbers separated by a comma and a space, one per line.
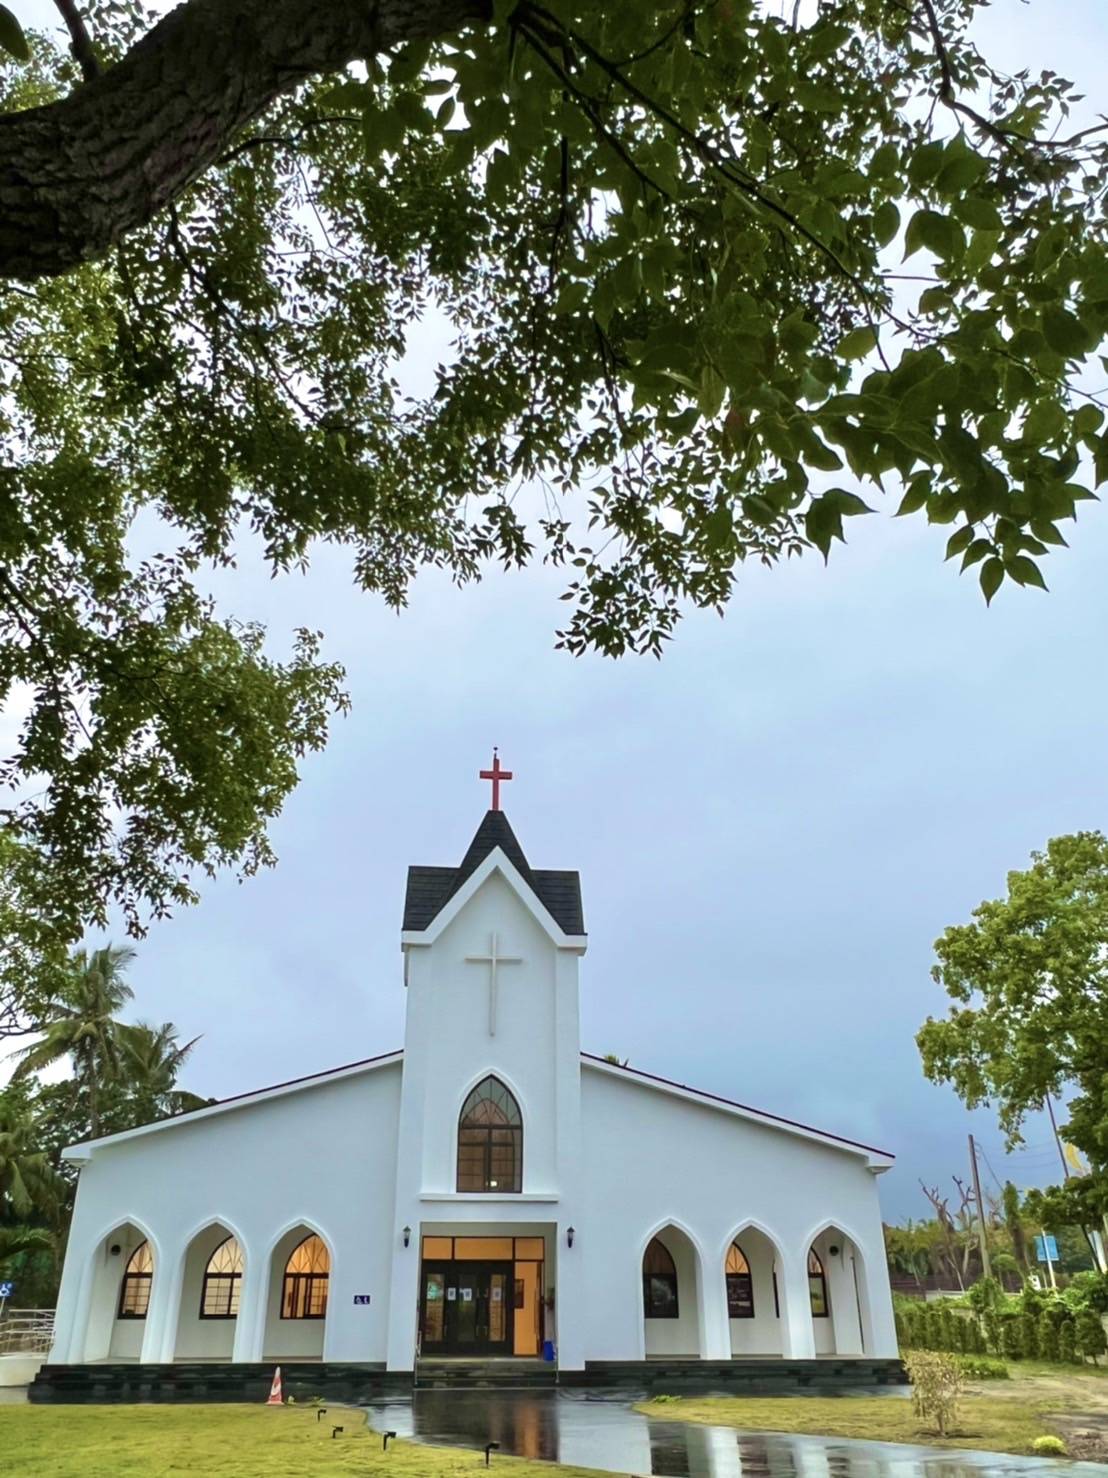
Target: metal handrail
(26, 1331)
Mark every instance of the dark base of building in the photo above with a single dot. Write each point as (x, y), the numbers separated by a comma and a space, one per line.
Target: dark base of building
(126, 1383)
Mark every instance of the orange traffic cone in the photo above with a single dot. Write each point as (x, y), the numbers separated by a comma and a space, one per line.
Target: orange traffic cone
(275, 1396)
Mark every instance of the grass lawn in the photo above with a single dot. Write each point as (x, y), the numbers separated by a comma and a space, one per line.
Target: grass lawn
(996, 1416)
(225, 1442)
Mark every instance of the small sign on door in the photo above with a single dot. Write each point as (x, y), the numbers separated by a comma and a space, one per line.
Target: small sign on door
(496, 1295)
(361, 1298)
(451, 1295)
(467, 1295)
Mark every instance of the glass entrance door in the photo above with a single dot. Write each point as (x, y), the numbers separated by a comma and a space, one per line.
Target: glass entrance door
(465, 1308)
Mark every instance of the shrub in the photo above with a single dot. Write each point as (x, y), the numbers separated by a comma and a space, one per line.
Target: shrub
(991, 1321)
(1048, 1337)
(976, 1343)
(1030, 1301)
(1049, 1447)
(1090, 1334)
(1029, 1336)
(1011, 1338)
(979, 1368)
(985, 1295)
(947, 1330)
(936, 1385)
(1088, 1290)
(1067, 1343)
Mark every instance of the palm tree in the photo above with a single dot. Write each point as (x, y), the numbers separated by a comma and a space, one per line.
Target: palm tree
(17, 1240)
(151, 1059)
(29, 1184)
(80, 1023)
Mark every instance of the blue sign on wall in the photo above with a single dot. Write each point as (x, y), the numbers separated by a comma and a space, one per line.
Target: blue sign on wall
(6, 1290)
(1046, 1249)
(361, 1298)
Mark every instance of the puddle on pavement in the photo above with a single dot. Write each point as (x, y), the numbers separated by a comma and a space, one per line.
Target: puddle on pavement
(594, 1431)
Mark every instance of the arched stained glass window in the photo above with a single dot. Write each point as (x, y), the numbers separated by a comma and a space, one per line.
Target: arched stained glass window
(134, 1292)
(740, 1284)
(219, 1296)
(659, 1282)
(307, 1274)
(490, 1140)
(817, 1286)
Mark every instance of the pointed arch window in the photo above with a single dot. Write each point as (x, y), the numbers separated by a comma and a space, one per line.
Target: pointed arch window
(740, 1284)
(490, 1140)
(219, 1295)
(134, 1292)
(307, 1275)
(817, 1286)
(659, 1282)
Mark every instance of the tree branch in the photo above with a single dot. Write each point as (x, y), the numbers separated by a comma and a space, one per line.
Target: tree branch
(77, 175)
(79, 39)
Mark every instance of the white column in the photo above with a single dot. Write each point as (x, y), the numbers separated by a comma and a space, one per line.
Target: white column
(74, 1302)
(250, 1324)
(799, 1340)
(161, 1312)
(571, 1313)
(716, 1339)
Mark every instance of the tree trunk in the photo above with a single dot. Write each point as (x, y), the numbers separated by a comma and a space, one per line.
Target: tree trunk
(77, 175)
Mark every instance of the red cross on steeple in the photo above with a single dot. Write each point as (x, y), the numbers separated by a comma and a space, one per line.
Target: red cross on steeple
(496, 774)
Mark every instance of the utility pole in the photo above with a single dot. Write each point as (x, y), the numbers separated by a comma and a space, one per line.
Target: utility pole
(985, 1265)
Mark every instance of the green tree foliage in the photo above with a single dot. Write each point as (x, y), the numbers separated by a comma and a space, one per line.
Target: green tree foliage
(1067, 1343)
(1089, 1331)
(1028, 978)
(666, 242)
(29, 1185)
(1013, 1221)
(1048, 1337)
(79, 1023)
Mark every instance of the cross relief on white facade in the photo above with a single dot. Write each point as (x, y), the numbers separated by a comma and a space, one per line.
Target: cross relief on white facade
(494, 959)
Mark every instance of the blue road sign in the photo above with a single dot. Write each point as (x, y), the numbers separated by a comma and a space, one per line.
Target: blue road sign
(1046, 1249)
(6, 1290)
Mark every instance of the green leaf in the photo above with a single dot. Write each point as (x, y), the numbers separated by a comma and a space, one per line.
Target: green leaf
(12, 38)
(1064, 332)
(1088, 420)
(857, 343)
(992, 575)
(1024, 571)
(818, 98)
(846, 502)
(976, 551)
(886, 223)
(825, 39)
(979, 213)
(938, 233)
(960, 541)
(916, 496)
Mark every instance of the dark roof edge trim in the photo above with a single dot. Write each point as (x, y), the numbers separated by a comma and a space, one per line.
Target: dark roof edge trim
(733, 1103)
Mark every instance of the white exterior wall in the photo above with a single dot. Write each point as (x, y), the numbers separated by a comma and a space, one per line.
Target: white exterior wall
(655, 1159)
(448, 1050)
(322, 1156)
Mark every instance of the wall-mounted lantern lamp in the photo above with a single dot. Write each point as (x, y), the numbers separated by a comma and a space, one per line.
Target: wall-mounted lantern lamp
(407, 1235)
(570, 1234)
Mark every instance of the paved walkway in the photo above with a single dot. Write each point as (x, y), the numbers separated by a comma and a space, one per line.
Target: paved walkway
(604, 1432)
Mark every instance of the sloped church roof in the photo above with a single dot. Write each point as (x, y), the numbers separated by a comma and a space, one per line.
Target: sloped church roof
(431, 888)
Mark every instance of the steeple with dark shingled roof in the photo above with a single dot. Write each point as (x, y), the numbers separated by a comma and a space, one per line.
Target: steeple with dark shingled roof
(431, 888)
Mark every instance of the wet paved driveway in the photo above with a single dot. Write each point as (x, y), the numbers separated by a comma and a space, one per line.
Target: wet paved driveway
(602, 1431)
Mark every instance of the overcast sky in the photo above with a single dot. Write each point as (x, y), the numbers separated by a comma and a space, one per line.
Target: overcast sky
(772, 824)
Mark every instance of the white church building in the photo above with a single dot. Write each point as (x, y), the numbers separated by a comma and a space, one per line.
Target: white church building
(490, 1190)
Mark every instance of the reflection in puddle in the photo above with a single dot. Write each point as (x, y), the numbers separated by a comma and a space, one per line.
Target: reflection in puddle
(593, 1431)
